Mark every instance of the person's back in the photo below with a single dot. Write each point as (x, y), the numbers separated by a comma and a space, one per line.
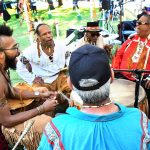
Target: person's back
(100, 123)
(77, 130)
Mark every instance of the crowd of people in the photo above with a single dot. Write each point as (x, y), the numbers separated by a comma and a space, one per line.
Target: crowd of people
(52, 75)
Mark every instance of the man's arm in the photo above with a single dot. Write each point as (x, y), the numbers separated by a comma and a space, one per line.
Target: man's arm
(41, 92)
(118, 57)
(8, 120)
(24, 68)
(24, 72)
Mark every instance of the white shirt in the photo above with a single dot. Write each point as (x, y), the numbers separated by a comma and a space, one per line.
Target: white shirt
(83, 41)
(42, 66)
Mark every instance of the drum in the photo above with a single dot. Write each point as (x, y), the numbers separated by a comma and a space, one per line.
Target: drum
(60, 84)
(19, 105)
(32, 138)
(122, 91)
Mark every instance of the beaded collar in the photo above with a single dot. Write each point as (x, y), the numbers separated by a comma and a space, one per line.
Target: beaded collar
(95, 106)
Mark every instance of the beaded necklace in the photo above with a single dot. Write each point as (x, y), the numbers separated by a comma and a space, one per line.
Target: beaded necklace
(139, 50)
(95, 106)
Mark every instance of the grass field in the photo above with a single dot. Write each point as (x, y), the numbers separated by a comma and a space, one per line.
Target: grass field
(66, 18)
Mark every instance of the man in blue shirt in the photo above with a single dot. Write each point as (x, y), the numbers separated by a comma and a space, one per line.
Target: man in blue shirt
(100, 124)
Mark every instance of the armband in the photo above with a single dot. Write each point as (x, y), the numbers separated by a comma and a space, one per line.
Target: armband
(40, 109)
(24, 60)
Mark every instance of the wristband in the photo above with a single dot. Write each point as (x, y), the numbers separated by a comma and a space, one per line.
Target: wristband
(40, 109)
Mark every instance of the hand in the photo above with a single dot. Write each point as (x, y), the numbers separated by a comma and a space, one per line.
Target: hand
(108, 49)
(147, 84)
(49, 105)
(71, 103)
(38, 80)
(43, 92)
(48, 94)
(41, 89)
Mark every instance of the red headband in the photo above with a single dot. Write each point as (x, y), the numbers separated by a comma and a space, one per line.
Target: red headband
(92, 28)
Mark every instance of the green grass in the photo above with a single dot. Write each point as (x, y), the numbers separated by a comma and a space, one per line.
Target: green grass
(66, 18)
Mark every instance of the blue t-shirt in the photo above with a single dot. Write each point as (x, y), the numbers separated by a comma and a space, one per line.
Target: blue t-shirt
(126, 129)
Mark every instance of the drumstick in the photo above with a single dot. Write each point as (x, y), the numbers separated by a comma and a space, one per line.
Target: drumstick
(78, 102)
(64, 96)
(24, 133)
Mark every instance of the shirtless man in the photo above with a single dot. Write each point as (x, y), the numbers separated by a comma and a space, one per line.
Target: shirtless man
(9, 50)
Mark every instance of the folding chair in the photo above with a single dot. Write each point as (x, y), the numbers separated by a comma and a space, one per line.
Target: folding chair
(125, 29)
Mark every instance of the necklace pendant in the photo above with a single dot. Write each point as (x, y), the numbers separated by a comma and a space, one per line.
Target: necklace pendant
(38, 60)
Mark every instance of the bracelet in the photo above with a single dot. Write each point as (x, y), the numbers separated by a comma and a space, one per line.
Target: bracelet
(40, 109)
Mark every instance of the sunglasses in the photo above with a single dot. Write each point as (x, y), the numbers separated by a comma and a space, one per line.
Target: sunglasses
(95, 34)
(142, 23)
